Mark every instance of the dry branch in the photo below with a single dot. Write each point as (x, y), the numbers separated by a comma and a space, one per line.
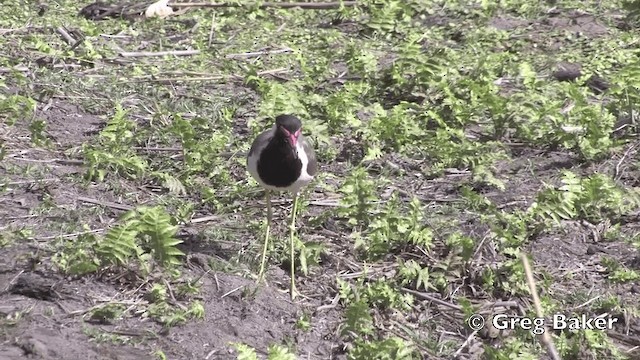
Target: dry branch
(24, 29)
(17, 68)
(100, 10)
(424, 296)
(50, 161)
(617, 172)
(170, 80)
(213, 25)
(259, 53)
(231, 292)
(332, 305)
(67, 236)
(327, 203)
(28, 182)
(160, 53)
(465, 343)
(152, 78)
(106, 204)
(65, 35)
(546, 338)
(171, 149)
(289, 5)
(204, 219)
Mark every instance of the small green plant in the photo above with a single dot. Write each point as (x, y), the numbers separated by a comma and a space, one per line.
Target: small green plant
(390, 348)
(107, 313)
(113, 154)
(14, 108)
(618, 273)
(359, 198)
(304, 323)
(461, 245)
(275, 352)
(157, 294)
(593, 199)
(38, 128)
(245, 352)
(382, 295)
(393, 229)
(411, 273)
(160, 355)
(141, 235)
(358, 319)
(309, 254)
(172, 316)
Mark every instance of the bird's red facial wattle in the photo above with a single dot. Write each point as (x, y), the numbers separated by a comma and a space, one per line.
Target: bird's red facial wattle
(291, 137)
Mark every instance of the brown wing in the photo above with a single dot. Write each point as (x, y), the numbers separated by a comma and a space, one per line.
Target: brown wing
(312, 167)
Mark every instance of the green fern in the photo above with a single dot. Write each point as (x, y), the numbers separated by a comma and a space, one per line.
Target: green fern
(391, 348)
(171, 183)
(159, 232)
(358, 201)
(113, 154)
(592, 198)
(245, 352)
(358, 319)
(119, 244)
(140, 236)
(277, 352)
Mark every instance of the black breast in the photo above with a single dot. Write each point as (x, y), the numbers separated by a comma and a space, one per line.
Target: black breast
(278, 165)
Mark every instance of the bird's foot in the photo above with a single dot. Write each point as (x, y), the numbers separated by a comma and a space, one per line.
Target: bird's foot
(261, 278)
(293, 293)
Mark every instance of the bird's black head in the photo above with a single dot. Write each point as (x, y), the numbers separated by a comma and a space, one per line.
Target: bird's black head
(289, 122)
(288, 127)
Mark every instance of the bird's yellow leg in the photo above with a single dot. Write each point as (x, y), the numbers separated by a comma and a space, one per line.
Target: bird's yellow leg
(266, 238)
(292, 230)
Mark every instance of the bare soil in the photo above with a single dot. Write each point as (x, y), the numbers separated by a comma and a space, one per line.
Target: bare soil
(54, 308)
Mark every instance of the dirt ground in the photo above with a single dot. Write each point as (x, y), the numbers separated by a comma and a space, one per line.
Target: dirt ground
(47, 313)
(56, 305)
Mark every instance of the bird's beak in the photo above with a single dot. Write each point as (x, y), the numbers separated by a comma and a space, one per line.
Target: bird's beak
(292, 137)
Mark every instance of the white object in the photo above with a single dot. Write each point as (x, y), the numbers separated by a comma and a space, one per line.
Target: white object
(159, 9)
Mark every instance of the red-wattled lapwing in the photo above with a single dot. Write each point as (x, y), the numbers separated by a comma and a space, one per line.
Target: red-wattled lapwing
(281, 159)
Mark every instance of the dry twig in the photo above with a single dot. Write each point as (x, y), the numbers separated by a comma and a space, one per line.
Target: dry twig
(545, 338)
(231, 292)
(425, 296)
(66, 236)
(18, 68)
(28, 182)
(159, 53)
(204, 219)
(259, 53)
(618, 173)
(65, 35)
(152, 78)
(51, 161)
(213, 24)
(106, 204)
(283, 5)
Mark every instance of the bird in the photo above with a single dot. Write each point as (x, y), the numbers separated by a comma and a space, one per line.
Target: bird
(281, 159)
